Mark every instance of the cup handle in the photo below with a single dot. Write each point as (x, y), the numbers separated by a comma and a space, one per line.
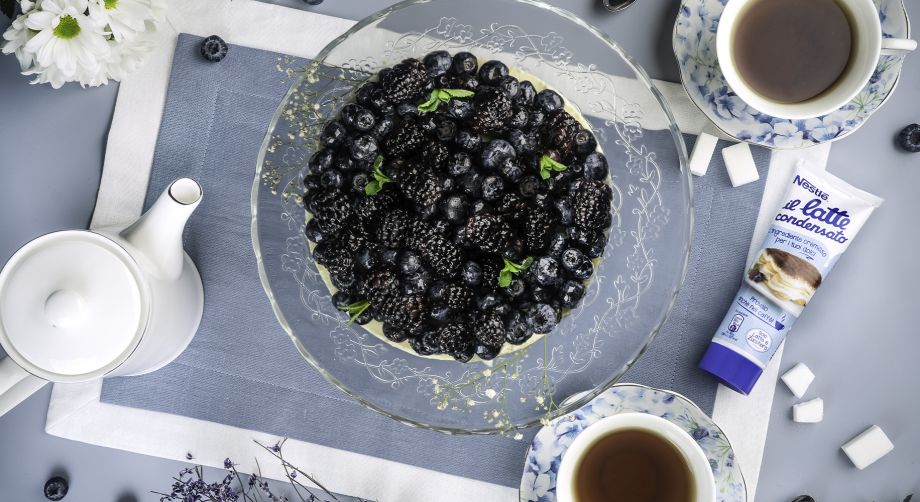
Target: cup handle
(16, 384)
(897, 46)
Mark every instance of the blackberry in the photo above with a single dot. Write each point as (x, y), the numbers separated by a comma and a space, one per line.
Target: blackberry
(591, 205)
(406, 138)
(394, 227)
(443, 256)
(513, 206)
(369, 210)
(394, 334)
(493, 109)
(437, 63)
(488, 232)
(559, 132)
(419, 185)
(331, 210)
(489, 330)
(405, 82)
(457, 297)
(379, 285)
(416, 283)
(406, 312)
(434, 155)
(538, 230)
(464, 63)
(492, 72)
(454, 340)
(214, 49)
(335, 257)
(490, 272)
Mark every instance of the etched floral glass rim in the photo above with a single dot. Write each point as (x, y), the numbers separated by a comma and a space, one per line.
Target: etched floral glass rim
(569, 405)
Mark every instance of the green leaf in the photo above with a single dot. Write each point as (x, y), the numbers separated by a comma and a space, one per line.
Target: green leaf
(372, 187)
(511, 269)
(8, 8)
(548, 165)
(378, 162)
(380, 179)
(356, 309)
(459, 93)
(443, 95)
(432, 103)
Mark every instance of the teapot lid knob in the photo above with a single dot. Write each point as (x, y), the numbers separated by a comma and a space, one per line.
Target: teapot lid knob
(64, 308)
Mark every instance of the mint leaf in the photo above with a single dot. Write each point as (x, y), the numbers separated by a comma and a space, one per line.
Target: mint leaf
(380, 179)
(439, 96)
(432, 103)
(459, 93)
(548, 165)
(8, 8)
(378, 162)
(356, 309)
(512, 269)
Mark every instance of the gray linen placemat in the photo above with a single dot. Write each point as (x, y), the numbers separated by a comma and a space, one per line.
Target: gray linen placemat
(242, 370)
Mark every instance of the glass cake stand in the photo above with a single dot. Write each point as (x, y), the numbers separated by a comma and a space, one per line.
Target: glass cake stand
(635, 284)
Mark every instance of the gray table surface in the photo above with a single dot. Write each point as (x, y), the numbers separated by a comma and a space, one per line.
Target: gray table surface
(857, 336)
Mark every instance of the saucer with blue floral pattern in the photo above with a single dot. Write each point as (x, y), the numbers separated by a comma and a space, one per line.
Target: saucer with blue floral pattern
(545, 454)
(695, 49)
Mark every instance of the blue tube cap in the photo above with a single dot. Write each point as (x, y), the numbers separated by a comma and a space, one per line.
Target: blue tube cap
(731, 368)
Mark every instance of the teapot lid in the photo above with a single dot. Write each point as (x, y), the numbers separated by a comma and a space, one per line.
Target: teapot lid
(73, 306)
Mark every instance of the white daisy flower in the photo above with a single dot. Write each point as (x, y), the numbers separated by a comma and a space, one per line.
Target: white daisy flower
(68, 41)
(125, 18)
(16, 36)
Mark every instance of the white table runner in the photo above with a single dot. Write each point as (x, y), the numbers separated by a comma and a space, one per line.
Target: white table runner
(76, 412)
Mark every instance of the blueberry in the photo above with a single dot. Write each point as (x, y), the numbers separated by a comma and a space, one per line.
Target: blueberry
(584, 271)
(536, 119)
(333, 134)
(364, 120)
(437, 63)
(468, 82)
(313, 233)
(564, 207)
(546, 271)
(408, 110)
(464, 63)
(349, 112)
(486, 352)
(495, 152)
(479, 206)
(471, 273)
(365, 317)
(459, 163)
(543, 318)
(311, 182)
(428, 123)
(541, 294)
(378, 101)
(585, 142)
(331, 179)
(364, 96)
(502, 309)
(510, 85)
(364, 148)
(596, 166)
(368, 259)
(384, 126)
(549, 100)
(515, 289)
(409, 263)
(518, 119)
(440, 313)
(557, 244)
(469, 141)
(445, 128)
(417, 283)
(313, 2)
(596, 249)
(472, 184)
(512, 169)
(440, 226)
(526, 94)
(426, 344)
(522, 142)
(56, 488)
(393, 333)
(449, 184)
(455, 208)
(487, 301)
(571, 293)
(572, 258)
(321, 160)
(909, 138)
(515, 251)
(492, 72)
(344, 162)
(809, 498)
(492, 188)
(583, 237)
(437, 290)
(214, 49)
(390, 258)
(529, 186)
(459, 109)
(517, 328)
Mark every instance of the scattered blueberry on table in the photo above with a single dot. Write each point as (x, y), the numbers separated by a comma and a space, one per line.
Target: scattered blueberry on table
(313, 2)
(909, 138)
(214, 49)
(56, 488)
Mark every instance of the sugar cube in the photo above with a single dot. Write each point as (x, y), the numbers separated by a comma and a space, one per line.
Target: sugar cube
(809, 412)
(740, 164)
(798, 379)
(703, 149)
(866, 448)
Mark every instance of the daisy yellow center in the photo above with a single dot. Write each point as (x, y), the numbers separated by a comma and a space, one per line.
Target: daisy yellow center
(110, 4)
(67, 28)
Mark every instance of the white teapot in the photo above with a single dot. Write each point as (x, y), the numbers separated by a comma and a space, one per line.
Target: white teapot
(79, 305)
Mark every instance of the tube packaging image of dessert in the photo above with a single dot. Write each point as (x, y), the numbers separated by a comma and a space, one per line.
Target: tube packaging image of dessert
(785, 277)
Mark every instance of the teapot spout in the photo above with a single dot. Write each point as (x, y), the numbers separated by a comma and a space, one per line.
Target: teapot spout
(158, 233)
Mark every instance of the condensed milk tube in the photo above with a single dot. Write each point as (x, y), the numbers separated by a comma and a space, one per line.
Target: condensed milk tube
(820, 216)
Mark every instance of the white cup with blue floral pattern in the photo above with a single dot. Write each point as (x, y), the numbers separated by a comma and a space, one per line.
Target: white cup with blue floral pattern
(700, 471)
(868, 46)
